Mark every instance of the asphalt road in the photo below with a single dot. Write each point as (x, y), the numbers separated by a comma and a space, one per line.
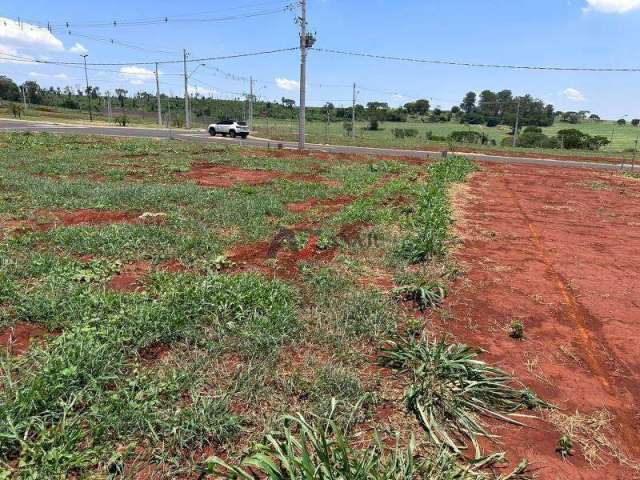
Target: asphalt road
(204, 137)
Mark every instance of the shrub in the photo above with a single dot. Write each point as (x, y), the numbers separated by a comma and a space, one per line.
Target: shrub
(635, 122)
(122, 120)
(404, 132)
(70, 103)
(493, 122)
(468, 136)
(373, 125)
(622, 121)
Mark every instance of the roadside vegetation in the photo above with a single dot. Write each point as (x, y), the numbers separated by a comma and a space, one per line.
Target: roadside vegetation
(166, 308)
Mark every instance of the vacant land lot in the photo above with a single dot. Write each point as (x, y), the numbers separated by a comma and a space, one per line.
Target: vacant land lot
(557, 250)
(163, 305)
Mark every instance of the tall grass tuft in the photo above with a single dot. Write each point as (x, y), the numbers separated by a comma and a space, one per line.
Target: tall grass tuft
(315, 450)
(451, 389)
(430, 225)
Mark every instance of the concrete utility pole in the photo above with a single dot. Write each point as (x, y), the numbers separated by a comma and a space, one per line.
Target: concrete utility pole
(250, 103)
(187, 120)
(109, 106)
(353, 113)
(159, 108)
(24, 98)
(86, 77)
(303, 73)
(515, 130)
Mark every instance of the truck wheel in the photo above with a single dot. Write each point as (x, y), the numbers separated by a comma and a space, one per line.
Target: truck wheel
(212, 132)
(232, 133)
(244, 136)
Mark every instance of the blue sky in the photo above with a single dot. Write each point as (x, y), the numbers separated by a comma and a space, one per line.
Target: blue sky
(600, 33)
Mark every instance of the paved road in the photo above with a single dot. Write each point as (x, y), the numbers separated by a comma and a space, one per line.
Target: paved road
(204, 137)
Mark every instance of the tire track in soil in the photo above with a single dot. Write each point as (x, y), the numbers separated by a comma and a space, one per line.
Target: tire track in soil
(580, 318)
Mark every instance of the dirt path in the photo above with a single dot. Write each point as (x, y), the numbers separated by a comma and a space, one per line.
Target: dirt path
(559, 250)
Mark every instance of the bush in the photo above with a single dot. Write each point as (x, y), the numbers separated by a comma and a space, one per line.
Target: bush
(404, 132)
(493, 122)
(374, 125)
(622, 121)
(635, 122)
(122, 120)
(70, 103)
(468, 136)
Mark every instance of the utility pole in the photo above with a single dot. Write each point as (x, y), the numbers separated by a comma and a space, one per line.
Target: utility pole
(187, 120)
(517, 126)
(353, 113)
(24, 98)
(86, 77)
(303, 73)
(109, 106)
(327, 129)
(250, 104)
(159, 108)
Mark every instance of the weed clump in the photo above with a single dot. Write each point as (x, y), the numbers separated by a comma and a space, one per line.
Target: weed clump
(451, 389)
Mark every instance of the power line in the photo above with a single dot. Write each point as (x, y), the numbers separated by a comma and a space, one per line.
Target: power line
(478, 65)
(20, 59)
(120, 43)
(163, 20)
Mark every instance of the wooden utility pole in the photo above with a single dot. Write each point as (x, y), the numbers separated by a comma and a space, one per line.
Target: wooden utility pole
(159, 105)
(303, 73)
(109, 106)
(86, 77)
(187, 120)
(24, 98)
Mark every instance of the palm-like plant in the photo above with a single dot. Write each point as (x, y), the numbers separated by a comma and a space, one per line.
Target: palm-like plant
(451, 389)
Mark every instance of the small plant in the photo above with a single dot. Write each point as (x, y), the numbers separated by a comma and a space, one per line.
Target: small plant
(516, 330)
(426, 295)
(565, 447)
(220, 262)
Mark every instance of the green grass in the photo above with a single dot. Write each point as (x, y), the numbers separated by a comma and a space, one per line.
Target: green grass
(212, 356)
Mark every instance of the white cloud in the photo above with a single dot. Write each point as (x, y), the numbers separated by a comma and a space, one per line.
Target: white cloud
(612, 6)
(205, 92)
(286, 84)
(58, 76)
(398, 97)
(136, 75)
(575, 95)
(79, 49)
(22, 38)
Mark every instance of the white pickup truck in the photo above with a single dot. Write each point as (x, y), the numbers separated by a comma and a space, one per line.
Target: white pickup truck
(229, 127)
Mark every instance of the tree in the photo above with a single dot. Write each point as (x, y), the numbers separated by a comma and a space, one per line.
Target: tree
(419, 107)
(488, 104)
(593, 117)
(287, 102)
(32, 91)
(121, 93)
(622, 121)
(468, 104)
(504, 98)
(8, 89)
(635, 122)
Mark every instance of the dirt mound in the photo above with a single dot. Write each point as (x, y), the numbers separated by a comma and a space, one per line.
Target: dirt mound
(208, 175)
(279, 257)
(18, 337)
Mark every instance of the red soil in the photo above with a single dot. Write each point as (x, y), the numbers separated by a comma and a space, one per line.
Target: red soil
(548, 247)
(332, 156)
(328, 206)
(208, 175)
(87, 216)
(130, 278)
(277, 257)
(18, 337)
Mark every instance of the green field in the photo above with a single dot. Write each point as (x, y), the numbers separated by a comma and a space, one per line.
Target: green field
(152, 318)
(624, 137)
